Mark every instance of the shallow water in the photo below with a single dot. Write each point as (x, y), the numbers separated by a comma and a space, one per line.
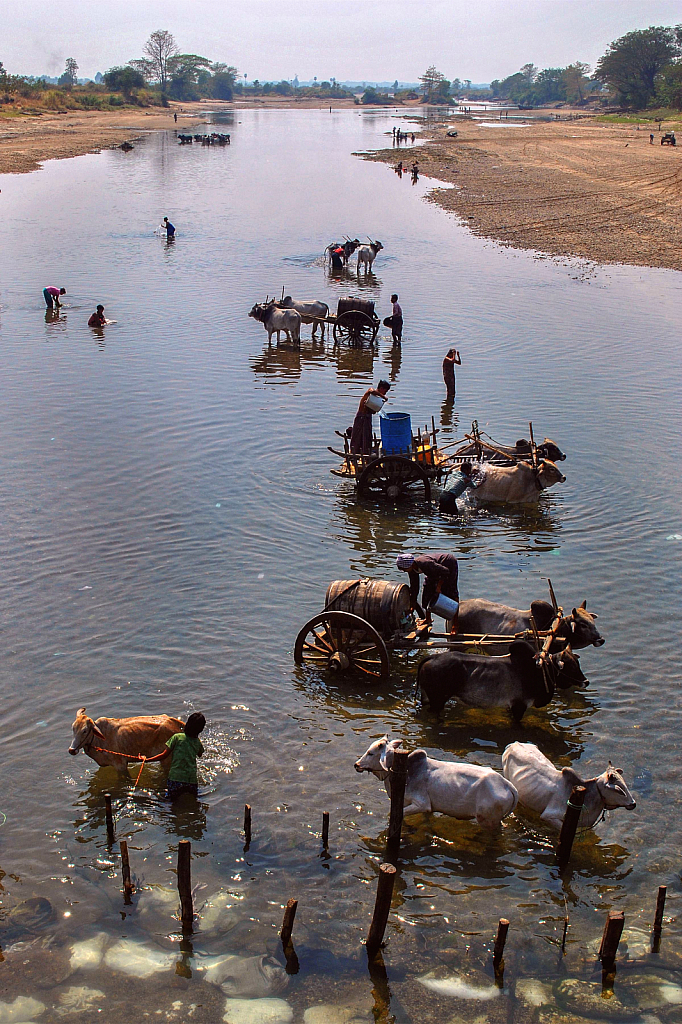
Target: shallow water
(169, 523)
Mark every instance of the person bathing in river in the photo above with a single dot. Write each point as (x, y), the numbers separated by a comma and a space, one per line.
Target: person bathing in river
(395, 322)
(184, 747)
(97, 319)
(361, 435)
(170, 228)
(51, 296)
(441, 571)
(451, 360)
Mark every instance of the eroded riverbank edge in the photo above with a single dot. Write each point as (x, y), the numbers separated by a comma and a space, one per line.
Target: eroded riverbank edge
(593, 190)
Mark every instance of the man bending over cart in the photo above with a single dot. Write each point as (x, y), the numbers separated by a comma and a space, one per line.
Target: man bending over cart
(441, 573)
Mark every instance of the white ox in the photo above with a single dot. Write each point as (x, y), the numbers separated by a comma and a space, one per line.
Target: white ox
(457, 789)
(520, 483)
(275, 320)
(127, 737)
(310, 312)
(367, 255)
(545, 790)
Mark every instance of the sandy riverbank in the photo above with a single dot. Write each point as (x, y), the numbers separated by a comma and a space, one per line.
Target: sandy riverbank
(29, 139)
(588, 189)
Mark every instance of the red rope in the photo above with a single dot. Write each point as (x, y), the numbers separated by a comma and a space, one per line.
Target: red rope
(131, 757)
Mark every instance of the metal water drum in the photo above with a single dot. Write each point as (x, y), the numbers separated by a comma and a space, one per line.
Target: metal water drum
(396, 432)
(444, 606)
(384, 605)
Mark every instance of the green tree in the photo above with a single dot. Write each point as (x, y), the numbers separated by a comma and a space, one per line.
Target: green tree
(125, 80)
(70, 75)
(221, 85)
(576, 81)
(630, 65)
(431, 82)
(669, 86)
(189, 76)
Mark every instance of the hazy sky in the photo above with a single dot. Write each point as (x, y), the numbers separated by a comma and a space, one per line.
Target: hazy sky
(348, 39)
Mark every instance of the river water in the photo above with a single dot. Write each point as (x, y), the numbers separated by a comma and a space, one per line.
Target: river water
(169, 522)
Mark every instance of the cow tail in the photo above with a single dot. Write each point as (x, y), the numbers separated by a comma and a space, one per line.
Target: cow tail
(418, 683)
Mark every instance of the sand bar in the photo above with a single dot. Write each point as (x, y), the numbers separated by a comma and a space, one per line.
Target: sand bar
(585, 188)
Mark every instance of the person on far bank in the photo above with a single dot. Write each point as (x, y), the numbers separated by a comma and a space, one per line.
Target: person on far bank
(51, 296)
(451, 360)
(184, 747)
(361, 434)
(441, 572)
(395, 322)
(170, 228)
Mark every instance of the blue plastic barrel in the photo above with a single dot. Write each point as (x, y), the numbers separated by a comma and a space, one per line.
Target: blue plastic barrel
(396, 432)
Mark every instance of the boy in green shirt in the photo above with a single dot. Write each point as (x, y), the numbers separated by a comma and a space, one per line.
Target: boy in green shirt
(184, 747)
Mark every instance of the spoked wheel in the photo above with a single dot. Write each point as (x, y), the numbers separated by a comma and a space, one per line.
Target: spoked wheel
(393, 477)
(355, 327)
(342, 642)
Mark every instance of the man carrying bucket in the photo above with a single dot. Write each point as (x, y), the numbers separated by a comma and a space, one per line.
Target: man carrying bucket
(441, 572)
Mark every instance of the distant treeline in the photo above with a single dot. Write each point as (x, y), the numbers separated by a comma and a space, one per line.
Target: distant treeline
(641, 69)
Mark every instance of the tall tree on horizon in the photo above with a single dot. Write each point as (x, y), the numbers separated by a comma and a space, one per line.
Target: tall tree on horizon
(159, 50)
(631, 63)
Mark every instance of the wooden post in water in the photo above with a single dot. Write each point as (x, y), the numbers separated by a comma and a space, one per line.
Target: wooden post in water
(569, 825)
(500, 939)
(109, 816)
(398, 777)
(125, 872)
(185, 884)
(247, 824)
(288, 922)
(325, 829)
(613, 929)
(382, 908)
(658, 919)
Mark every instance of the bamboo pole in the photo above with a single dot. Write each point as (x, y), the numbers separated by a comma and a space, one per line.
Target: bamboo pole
(325, 829)
(185, 884)
(398, 778)
(574, 806)
(382, 907)
(247, 824)
(125, 872)
(109, 817)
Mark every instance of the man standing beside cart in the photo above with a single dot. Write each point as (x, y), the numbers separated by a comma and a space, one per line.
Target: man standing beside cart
(441, 572)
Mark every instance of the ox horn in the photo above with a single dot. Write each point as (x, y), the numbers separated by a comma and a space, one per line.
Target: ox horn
(81, 711)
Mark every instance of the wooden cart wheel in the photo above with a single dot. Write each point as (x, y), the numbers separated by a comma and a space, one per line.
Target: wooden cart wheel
(342, 642)
(393, 477)
(355, 327)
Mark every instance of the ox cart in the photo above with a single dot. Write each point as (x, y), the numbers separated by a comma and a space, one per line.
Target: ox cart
(355, 321)
(363, 618)
(398, 471)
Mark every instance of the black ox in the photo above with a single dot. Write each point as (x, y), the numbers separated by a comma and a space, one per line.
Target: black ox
(515, 681)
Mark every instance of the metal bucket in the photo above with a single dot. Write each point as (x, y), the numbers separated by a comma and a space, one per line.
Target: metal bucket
(384, 605)
(444, 606)
(374, 403)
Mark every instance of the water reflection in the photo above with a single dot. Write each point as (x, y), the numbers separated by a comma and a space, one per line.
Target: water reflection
(287, 361)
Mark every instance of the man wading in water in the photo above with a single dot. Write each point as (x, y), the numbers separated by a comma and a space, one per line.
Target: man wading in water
(451, 360)
(361, 436)
(395, 322)
(51, 295)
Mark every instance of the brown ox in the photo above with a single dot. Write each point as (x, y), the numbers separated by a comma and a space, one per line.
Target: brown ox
(519, 483)
(143, 734)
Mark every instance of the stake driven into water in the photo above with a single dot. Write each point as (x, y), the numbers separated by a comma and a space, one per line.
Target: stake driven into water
(398, 777)
(382, 908)
(185, 884)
